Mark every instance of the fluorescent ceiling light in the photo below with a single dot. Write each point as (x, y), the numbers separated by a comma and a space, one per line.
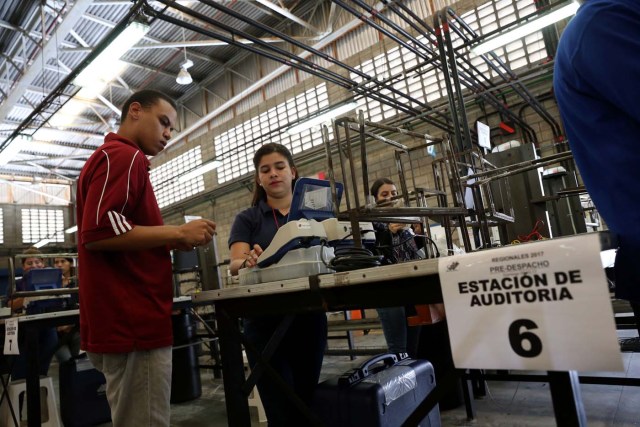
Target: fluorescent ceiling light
(324, 117)
(13, 148)
(95, 77)
(71, 229)
(41, 243)
(102, 69)
(524, 30)
(68, 115)
(207, 167)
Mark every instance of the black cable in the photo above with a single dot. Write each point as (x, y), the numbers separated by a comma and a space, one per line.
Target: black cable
(352, 258)
(396, 244)
(433, 244)
(362, 232)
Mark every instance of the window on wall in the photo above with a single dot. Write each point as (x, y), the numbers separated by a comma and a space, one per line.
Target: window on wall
(393, 67)
(164, 178)
(493, 15)
(237, 146)
(1, 226)
(427, 85)
(38, 224)
(29, 193)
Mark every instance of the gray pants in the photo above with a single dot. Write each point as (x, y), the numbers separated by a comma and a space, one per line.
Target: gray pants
(138, 386)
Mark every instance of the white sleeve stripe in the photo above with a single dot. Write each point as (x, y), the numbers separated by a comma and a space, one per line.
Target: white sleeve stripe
(114, 223)
(123, 220)
(129, 181)
(103, 188)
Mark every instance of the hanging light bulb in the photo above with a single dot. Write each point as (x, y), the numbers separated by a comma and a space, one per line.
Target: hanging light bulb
(183, 77)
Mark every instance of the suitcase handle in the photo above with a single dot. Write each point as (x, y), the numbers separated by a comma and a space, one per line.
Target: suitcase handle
(358, 374)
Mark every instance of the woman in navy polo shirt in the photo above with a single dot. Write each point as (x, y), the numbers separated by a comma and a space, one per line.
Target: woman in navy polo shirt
(298, 358)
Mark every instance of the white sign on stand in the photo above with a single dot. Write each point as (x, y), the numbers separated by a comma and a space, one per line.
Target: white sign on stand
(484, 135)
(11, 336)
(538, 306)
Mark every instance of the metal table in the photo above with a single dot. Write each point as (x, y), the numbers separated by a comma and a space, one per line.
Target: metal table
(30, 325)
(415, 282)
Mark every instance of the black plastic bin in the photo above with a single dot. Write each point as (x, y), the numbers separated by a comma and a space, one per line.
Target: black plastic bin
(185, 374)
(83, 399)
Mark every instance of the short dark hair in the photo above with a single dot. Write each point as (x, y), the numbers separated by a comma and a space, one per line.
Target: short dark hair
(32, 250)
(375, 188)
(270, 148)
(146, 98)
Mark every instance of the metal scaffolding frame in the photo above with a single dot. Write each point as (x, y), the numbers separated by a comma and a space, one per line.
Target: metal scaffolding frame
(434, 48)
(416, 208)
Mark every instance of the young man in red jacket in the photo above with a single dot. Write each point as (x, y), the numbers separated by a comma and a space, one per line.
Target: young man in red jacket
(125, 275)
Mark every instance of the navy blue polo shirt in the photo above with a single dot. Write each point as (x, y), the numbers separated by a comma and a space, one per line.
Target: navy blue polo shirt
(258, 224)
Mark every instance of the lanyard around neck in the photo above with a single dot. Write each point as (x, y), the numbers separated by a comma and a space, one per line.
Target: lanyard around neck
(275, 218)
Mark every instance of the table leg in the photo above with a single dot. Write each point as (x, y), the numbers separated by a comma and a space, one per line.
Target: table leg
(232, 370)
(33, 378)
(566, 398)
(469, 395)
(4, 381)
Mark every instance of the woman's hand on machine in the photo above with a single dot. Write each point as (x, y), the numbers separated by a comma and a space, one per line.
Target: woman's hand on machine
(252, 257)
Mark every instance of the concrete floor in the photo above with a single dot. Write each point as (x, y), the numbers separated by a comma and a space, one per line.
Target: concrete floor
(506, 403)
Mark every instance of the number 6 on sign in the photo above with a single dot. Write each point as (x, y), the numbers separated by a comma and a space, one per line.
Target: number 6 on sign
(536, 306)
(518, 338)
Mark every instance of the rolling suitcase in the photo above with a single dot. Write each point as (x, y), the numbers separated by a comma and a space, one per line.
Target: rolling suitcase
(83, 398)
(374, 395)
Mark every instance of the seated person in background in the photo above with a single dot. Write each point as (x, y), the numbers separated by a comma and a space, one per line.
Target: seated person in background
(68, 335)
(65, 264)
(397, 244)
(429, 341)
(47, 337)
(28, 263)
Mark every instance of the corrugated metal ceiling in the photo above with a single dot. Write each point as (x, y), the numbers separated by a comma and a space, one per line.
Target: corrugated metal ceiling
(23, 87)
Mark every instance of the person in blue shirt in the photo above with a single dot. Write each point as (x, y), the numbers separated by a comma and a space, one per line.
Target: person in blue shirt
(47, 337)
(32, 261)
(298, 357)
(397, 244)
(597, 86)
